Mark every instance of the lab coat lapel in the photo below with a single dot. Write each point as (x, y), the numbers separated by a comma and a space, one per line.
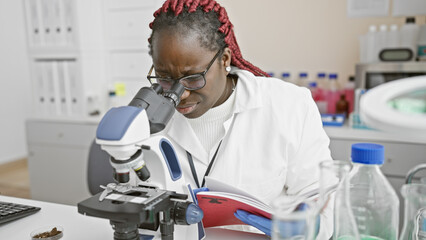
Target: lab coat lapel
(246, 96)
(182, 134)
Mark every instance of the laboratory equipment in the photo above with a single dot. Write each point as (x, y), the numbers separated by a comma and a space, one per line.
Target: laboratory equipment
(421, 43)
(398, 106)
(314, 91)
(370, 75)
(333, 119)
(415, 207)
(381, 42)
(396, 54)
(333, 93)
(298, 223)
(374, 202)
(302, 80)
(393, 37)
(349, 91)
(285, 76)
(322, 87)
(409, 33)
(139, 200)
(342, 105)
(336, 172)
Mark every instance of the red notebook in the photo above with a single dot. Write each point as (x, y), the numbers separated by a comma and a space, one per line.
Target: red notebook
(222, 201)
(219, 208)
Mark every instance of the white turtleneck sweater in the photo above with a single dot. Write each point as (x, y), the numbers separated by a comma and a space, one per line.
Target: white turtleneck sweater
(209, 127)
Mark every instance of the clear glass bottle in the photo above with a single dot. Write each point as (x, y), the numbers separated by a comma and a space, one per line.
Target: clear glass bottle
(414, 212)
(334, 176)
(374, 202)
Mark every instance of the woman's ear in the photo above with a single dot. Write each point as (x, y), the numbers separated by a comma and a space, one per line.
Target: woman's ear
(226, 58)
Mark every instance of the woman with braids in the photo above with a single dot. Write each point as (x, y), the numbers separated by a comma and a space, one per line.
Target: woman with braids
(236, 124)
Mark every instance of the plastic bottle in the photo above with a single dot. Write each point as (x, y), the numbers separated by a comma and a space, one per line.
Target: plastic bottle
(381, 42)
(285, 76)
(409, 35)
(374, 202)
(303, 79)
(421, 43)
(333, 94)
(322, 88)
(112, 100)
(349, 91)
(371, 44)
(314, 90)
(393, 37)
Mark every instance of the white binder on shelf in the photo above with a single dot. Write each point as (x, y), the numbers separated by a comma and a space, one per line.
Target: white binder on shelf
(75, 88)
(54, 108)
(62, 37)
(57, 37)
(64, 91)
(45, 18)
(67, 16)
(35, 27)
(40, 90)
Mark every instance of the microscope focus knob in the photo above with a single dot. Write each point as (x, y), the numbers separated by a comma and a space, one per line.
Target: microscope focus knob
(186, 213)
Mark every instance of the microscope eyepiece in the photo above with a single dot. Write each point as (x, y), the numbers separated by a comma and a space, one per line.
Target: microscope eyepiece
(175, 93)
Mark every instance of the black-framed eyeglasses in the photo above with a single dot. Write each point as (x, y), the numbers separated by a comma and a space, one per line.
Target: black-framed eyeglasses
(191, 82)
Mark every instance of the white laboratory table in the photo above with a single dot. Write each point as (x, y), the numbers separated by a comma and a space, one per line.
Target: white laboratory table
(78, 226)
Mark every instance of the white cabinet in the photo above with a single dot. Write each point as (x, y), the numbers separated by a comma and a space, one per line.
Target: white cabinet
(58, 159)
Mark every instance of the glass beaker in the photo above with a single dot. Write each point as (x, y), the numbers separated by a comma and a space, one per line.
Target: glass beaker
(294, 220)
(414, 212)
(334, 176)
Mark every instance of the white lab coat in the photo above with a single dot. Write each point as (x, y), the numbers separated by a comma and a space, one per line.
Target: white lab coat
(273, 142)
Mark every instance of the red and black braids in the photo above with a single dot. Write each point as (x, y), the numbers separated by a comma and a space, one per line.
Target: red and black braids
(176, 8)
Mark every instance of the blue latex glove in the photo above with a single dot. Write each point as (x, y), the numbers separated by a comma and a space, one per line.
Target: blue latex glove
(261, 223)
(265, 224)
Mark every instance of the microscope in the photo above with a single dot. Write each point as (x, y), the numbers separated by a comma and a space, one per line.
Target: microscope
(138, 205)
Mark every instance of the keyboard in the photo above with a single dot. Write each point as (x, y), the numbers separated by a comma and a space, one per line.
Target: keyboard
(12, 211)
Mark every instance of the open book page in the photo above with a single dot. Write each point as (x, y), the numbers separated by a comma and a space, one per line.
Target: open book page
(217, 186)
(222, 201)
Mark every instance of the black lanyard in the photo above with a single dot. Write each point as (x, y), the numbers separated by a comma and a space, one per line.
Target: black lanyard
(194, 173)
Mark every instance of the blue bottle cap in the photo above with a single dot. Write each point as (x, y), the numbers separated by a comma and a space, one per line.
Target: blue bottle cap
(368, 153)
(313, 84)
(321, 75)
(303, 74)
(271, 74)
(286, 75)
(332, 76)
